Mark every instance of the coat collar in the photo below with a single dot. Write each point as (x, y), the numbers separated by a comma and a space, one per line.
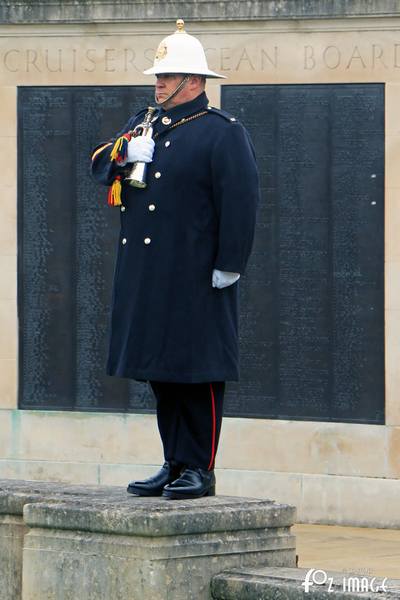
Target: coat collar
(166, 118)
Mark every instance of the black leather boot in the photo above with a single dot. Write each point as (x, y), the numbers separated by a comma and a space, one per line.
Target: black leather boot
(153, 486)
(193, 483)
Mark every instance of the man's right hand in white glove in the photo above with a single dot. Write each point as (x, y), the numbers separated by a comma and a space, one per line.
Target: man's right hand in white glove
(140, 149)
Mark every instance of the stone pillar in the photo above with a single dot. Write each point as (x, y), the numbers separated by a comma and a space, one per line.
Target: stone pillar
(100, 548)
(14, 494)
(12, 532)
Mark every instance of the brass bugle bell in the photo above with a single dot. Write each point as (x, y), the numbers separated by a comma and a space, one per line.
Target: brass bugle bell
(137, 176)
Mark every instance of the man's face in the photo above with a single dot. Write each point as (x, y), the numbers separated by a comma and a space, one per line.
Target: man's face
(166, 84)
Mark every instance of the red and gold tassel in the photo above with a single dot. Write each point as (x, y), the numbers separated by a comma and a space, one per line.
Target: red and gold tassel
(114, 194)
(119, 152)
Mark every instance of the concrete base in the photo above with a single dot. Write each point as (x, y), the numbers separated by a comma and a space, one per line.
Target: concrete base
(98, 543)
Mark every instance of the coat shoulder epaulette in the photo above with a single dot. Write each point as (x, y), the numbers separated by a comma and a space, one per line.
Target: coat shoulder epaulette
(137, 117)
(140, 113)
(222, 113)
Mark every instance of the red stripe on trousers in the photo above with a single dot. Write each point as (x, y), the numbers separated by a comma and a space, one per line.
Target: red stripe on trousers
(213, 428)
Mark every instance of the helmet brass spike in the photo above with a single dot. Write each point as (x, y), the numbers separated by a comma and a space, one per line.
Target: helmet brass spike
(181, 53)
(180, 23)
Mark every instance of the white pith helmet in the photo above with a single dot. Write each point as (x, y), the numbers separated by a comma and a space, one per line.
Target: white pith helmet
(181, 53)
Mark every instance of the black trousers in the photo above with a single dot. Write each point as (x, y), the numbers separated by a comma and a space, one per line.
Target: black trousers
(189, 417)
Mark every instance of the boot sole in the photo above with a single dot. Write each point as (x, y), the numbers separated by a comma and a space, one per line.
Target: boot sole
(172, 495)
(140, 492)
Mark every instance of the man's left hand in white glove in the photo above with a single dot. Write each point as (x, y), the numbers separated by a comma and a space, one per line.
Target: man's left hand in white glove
(140, 149)
(221, 279)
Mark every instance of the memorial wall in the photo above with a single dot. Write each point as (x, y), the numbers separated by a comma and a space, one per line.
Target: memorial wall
(311, 322)
(315, 419)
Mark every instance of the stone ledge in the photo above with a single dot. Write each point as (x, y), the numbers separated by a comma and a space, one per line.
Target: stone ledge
(110, 509)
(98, 11)
(155, 517)
(15, 493)
(272, 582)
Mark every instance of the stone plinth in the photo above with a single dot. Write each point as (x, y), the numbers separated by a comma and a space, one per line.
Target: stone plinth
(103, 547)
(12, 532)
(14, 494)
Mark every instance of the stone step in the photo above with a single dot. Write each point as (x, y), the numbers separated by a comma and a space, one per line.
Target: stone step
(281, 583)
(101, 543)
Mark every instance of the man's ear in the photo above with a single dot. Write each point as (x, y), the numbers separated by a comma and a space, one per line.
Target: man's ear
(195, 81)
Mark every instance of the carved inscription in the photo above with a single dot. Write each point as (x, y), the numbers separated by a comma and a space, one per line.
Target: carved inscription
(252, 58)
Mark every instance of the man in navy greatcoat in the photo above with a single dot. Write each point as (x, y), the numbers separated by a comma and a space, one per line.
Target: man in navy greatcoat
(185, 240)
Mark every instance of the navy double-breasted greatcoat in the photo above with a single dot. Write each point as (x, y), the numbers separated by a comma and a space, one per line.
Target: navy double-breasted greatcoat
(196, 214)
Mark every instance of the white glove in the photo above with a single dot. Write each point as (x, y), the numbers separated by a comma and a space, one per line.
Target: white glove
(140, 149)
(221, 279)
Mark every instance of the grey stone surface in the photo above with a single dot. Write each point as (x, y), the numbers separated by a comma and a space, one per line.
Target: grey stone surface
(156, 548)
(109, 509)
(65, 565)
(12, 531)
(286, 584)
(86, 11)
(156, 517)
(14, 494)
(100, 543)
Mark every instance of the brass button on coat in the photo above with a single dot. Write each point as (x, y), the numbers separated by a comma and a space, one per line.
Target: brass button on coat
(122, 208)
(166, 121)
(157, 175)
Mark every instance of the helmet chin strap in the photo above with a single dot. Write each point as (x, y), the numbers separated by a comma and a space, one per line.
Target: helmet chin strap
(176, 90)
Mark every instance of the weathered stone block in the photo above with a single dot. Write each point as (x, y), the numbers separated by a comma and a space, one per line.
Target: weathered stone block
(148, 548)
(14, 494)
(12, 532)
